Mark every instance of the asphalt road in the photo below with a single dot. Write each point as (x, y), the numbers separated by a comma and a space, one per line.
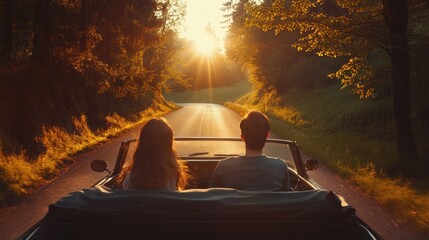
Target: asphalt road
(199, 120)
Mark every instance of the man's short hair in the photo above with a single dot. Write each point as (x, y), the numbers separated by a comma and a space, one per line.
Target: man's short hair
(254, 129)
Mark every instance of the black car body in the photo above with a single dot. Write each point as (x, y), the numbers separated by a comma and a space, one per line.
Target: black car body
(105, 211)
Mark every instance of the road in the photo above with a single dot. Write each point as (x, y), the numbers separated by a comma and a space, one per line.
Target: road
(200, 120)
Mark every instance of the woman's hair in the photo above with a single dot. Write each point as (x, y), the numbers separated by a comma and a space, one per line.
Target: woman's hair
(155, 162)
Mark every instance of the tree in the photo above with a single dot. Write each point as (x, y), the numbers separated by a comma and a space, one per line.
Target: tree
(253, 48)
(344, 31)
(84, 57)
(395, 13)
(6, 51)
(354, 30)
(270, 59)
(42, 30)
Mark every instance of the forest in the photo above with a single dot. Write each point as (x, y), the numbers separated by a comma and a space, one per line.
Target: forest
(72, 71)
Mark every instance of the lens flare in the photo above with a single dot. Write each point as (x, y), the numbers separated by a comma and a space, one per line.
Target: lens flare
(205, 44)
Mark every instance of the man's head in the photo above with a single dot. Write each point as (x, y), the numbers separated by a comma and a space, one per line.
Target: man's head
(254, 130)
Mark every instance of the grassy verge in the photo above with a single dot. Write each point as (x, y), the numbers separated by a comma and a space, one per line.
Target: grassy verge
(218, 95)
(19, 175)
(345, 134)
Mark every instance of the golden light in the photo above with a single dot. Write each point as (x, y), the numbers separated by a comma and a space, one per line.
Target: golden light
(201, 15)
(205, 44)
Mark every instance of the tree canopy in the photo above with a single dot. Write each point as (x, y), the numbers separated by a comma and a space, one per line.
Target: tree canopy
(84, 57)
(270, 58)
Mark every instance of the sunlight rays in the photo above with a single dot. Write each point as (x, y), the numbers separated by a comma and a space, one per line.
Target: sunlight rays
(209, 72)
(204, 72)
(205, 44)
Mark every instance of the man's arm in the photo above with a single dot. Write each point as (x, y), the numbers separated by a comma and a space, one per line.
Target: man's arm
(286, 181)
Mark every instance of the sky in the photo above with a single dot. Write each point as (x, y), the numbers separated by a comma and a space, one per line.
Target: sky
(200, 13)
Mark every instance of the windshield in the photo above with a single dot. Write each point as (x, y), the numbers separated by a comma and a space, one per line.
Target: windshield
(219, 149)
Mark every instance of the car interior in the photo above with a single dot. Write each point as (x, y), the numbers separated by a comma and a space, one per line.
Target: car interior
(201, 165)
(201, 171)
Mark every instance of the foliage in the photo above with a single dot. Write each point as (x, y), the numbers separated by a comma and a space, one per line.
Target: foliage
(272, 62)
(17, 175)
(361, 32)
(117, 46)
(341, 29)
(133, 45)
(397, 194)
(87, 57)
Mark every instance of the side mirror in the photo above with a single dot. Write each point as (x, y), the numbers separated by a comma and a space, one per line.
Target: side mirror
(99, 166)
(311, 164)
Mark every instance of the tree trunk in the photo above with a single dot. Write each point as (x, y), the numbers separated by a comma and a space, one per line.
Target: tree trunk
(396, 17)
(6, 53)
(84, 23)
(41, 30)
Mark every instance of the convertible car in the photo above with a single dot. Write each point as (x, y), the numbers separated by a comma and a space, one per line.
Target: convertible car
(105, 211)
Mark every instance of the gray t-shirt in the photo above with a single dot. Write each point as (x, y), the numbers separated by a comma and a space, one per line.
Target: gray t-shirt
(259, 173)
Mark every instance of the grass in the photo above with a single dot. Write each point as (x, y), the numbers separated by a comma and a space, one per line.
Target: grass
(218, 95)
(352, 136)
(19, 175)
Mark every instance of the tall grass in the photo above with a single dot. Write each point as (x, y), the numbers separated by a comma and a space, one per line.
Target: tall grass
(352, 136)
(20, 175)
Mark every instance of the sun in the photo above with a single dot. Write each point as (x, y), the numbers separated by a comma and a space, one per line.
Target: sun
(205, 44)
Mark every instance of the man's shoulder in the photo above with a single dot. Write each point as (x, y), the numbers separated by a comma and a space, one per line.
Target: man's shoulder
(231, 159)
(276, 160)
(235, 159)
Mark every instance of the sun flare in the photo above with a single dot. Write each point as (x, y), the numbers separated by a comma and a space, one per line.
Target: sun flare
(205, 44)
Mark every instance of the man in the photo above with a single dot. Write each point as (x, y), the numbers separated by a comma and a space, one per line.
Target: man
(253, 171)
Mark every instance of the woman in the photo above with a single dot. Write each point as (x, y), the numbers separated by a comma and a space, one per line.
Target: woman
(155, 164)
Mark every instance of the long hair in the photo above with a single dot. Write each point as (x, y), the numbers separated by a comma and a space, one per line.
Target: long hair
(155, 161)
